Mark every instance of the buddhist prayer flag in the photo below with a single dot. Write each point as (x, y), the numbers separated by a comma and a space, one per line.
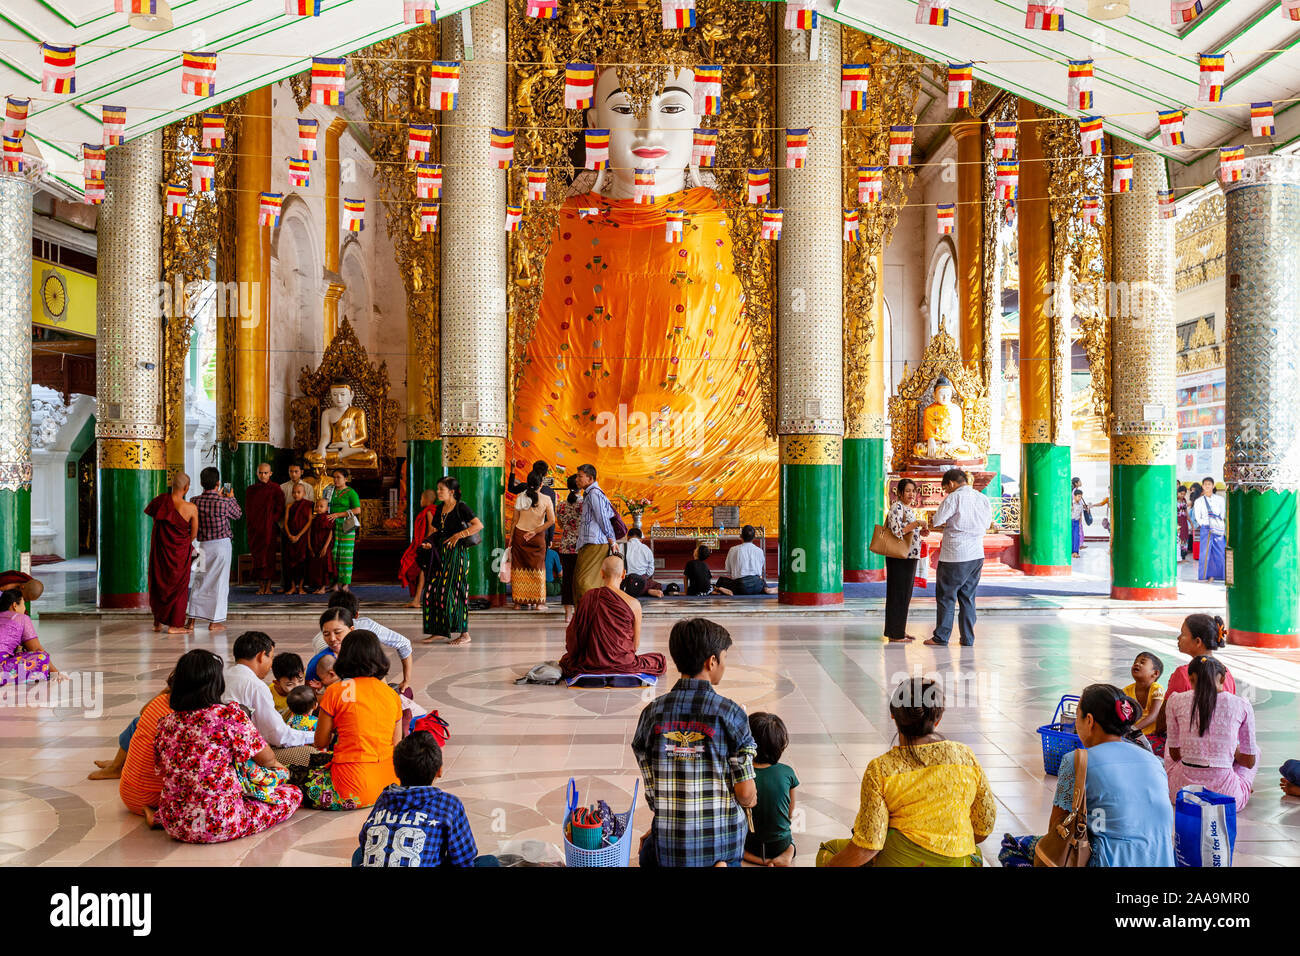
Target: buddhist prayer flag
(595, 148)
(214, 131)
(945, 216)
(708, 90)
(796, 148)
(1168, 208)
(307, 131)
(855, 78)
(149, 7)
(1184, 11)
(199, 74)
(16, 116)
(94, 192)
(501, 151)
(587, 212)
(268, 209)
(1008, 181)
(704, 147)
(514, 216)
(428, 217)
(960, 78)
(1261, 118)
(1009, 213)
(428, 181)
(1123, 181)
(675, 219)
(419, 141)
(302, 8)
(328, 76)
(772, 221)
(444, 85)
(59, 73)
(1090, 135)
(535, 181)
(1080, 84)
(1232, 162)
(93, 161)
(579, 85)
(1045, 16)
(1291, 9)
(932, 13)
(299, 173)
(800, 15)
(760, 184)
(678, 14)
(1171, 127)
(871, 183)
(1091, 208)
(900, 145)
(176, 199)
(643, 185)
(1211, 86)
(850, 225)
(13, 154)
(1004, 139)
(418, 12)
(354, 215)
(542, 9)
(203, 172)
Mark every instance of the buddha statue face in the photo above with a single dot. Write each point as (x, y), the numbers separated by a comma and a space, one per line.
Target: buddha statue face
(943, 394)
(662, 141)
(340, 396)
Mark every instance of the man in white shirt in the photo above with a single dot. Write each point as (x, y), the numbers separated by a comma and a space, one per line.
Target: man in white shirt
(1209, 515)
(640, 563)
(745, 570)
(963, 517)
(246, 685)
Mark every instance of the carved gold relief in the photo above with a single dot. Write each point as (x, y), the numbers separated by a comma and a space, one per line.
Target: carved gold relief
(252, 428)
(1036, 431)
(812, 450)
(132, 455)
(866, 426)
(473, 452)
(1201, 244)
(1141, 449)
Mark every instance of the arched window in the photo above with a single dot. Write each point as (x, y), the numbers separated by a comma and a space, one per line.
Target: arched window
(942, 294)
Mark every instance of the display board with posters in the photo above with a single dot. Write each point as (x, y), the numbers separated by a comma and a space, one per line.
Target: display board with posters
(1200, 401)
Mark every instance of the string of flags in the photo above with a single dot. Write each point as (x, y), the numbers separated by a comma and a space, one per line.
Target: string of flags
(16, 108)
(708, 89)
(93, 161)
(13, 154)
(302, 8)
(1045, 16)
(214, 130)
(501, 148)
(428, 181)
(1091, 210)
(113, 120)
(514, 215)
(542, 9)
(59, 68)
(1004, 139)
(1184, 11)
(1261, 114)
(149, 7)
(419, 142)
(1090, 135)
(535, 183)
(1291, 9)
(1008, 179)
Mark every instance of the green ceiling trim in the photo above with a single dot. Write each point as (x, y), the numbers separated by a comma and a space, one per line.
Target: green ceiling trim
(59, 13)
(1262, 62)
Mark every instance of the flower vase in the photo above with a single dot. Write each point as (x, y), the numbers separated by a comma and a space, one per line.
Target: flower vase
(636, 519)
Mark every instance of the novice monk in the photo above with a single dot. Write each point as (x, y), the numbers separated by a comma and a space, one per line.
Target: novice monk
(297, 523)
(411, 571)
(605, 633)
(264, 513)
(320, 545)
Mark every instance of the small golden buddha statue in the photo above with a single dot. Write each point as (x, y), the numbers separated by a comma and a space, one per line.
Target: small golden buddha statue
(342, 435)
(941, 428)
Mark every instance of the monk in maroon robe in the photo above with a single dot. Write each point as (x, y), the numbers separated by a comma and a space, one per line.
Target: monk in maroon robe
(320, 544)
(264, 512)
(297, 524)
(411, 570)
(605, 632)
(171, 546)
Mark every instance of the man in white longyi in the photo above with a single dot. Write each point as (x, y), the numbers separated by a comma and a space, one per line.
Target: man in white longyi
(210, 576)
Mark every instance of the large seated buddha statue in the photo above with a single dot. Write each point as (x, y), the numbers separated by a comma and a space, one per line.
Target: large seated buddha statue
(942, 429)
(342, 435)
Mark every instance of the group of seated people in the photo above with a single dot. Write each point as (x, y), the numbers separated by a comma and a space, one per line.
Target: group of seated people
(744, 571)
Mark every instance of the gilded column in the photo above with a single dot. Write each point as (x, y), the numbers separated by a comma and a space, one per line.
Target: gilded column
(334, 291)
(1143, 549)
(423, 434)
(1262, 462)
(1044, 465)
(865, 492)
(129, 372)
(252, 329)
(810, 396)
(15, 372)
(969, 134)
(474, 275)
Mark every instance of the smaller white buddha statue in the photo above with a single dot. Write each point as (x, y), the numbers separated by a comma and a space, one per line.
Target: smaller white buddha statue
(941, 428)
(342, 435)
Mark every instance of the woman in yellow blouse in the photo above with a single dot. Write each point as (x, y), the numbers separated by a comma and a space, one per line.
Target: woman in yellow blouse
(924, 803)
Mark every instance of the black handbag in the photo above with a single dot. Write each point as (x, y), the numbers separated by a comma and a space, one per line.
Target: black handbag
(470, 540)
(1087, 516)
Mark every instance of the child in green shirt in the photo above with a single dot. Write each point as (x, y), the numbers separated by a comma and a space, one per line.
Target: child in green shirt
(771, 842)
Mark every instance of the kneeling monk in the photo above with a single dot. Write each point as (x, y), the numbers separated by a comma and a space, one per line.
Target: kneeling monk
(606, 630)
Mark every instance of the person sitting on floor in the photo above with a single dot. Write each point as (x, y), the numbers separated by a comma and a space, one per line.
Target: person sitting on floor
(772, 842)
(287, 672)
(746, 567)
(640, 561)
(1211, 740)
(1146, 670)
(302, 708)
(414, 823)
(699, 579)
(1200, 636)
(605, 632)
(245, 683)
(387, 636)
(22, 659)
(324, 671)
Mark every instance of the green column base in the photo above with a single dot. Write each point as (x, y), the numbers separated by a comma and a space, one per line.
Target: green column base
(240, 469)
(124, 532)
(1044, 508)
(812, 549)
(15, 528)
(482, 489)
(1144, 533)
(864, 507)
(423, 469)
(993, 490)
(1263, 569)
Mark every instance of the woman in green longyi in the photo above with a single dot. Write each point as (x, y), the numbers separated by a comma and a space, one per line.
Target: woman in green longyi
(345, 505)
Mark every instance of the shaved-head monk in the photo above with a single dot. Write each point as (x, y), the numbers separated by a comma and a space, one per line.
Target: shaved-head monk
(175, 526)
(605, 632)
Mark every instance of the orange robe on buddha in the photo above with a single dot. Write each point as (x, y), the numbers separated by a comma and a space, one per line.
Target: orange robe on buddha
(641, 361)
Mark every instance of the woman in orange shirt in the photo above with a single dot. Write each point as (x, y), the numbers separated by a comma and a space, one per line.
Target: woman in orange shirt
(140, 785)
(366, 715)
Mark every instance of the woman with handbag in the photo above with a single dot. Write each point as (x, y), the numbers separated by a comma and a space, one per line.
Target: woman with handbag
(345, 507)
(452, 530)
(900, 568)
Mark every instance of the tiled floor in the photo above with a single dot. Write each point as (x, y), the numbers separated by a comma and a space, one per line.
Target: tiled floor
(513, 748)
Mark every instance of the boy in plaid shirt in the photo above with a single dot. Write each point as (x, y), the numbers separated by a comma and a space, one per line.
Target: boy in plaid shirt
(696, 755)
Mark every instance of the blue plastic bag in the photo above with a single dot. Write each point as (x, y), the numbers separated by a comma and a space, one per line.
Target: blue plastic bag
(1205, 828)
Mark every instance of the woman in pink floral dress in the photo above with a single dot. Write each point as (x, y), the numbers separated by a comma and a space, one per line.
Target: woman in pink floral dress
(1211, 740)
(196, 750)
